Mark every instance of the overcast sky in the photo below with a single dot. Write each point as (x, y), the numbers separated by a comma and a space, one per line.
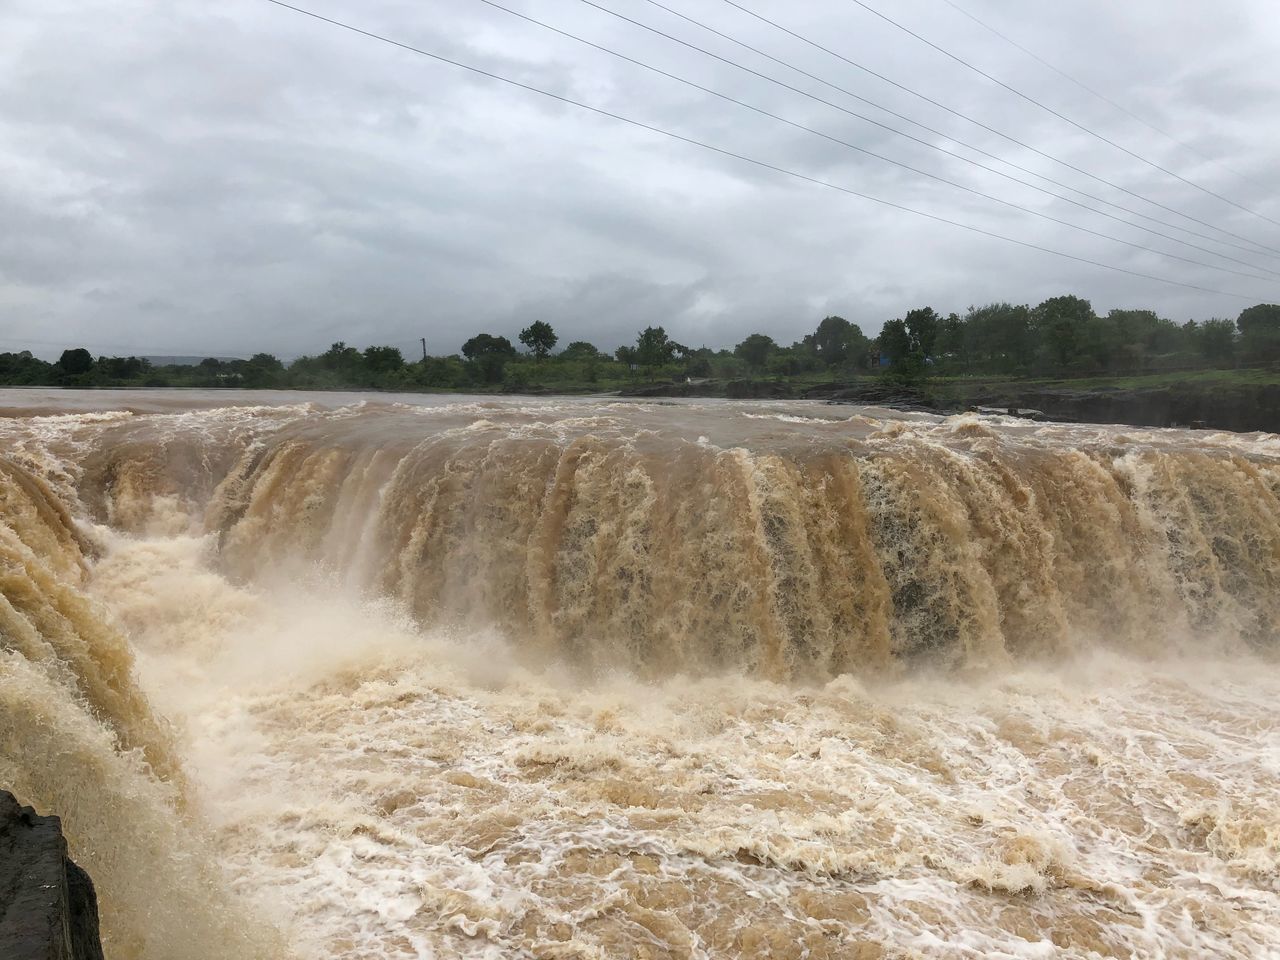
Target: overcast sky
(195, 177)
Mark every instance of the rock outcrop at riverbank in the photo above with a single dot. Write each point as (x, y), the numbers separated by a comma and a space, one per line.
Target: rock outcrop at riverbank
(48, 909)
(1243, 407)
(1240, 407)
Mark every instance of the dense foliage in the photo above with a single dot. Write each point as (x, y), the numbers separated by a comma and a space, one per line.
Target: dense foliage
(1062, 336)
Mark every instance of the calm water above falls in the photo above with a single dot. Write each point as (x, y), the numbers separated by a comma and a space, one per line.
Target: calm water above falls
(329, 676)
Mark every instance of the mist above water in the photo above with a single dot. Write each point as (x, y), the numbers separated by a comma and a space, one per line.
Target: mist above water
(585, 678)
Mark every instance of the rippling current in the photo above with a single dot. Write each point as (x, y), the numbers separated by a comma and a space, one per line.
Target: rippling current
(337, 677)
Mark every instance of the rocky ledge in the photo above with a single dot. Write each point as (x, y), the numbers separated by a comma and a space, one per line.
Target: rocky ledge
(48, 910)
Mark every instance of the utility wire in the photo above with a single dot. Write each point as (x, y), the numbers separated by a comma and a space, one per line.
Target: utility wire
(1102, 96)
(762, 164)
(999, 133)
(967, 146)
(1061, 116)
(872, 153)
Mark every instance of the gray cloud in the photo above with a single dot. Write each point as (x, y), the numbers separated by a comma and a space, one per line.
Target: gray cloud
(235, 177)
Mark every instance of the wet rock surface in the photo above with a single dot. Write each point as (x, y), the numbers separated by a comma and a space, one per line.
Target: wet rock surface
(1240, 407)
(1244, 407)
(48, 909)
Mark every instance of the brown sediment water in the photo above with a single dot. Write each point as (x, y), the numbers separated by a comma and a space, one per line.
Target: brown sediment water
(329, 676)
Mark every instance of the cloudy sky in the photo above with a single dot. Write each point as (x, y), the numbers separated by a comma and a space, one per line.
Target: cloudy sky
(195, 177)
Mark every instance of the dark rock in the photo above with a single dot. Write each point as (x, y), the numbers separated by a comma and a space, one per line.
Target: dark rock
(1242, 407)
(733, 389)
(885, 393)
(758, 390)
(1212, 406)
(48, 910)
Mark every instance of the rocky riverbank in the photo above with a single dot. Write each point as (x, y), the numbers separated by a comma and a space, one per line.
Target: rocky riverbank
(1243, 407)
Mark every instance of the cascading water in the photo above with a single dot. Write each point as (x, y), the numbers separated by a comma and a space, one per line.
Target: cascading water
(593, 679)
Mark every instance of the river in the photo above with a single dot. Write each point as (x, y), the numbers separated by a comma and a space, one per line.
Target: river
(344, 676)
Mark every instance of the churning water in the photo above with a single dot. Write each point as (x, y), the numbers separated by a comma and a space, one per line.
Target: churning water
(581, 679)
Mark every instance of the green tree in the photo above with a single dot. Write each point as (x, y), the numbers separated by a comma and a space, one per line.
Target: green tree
(262, 370)
(122, 369)
(441, 372)
(539, 338)
(212, 372)
(998, 337)
(25, 369)
(951, 339)
(789, 361)
(342, 360)
(1215, 340)
(580, 350)
(756, 350)
(830, 342)
(1140, 334)
(923, 324)
(1260, 316)
(1099, 343)
(654, 349)
(266, 361)
(75, 362)
(515, 376)
(1061, 324)
(488, 355)
(381, 361)
(698, 363)
(895, 341)
(1260, 331)
(837, 342)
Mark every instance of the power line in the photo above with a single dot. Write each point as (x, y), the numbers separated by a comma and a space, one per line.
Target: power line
(600, 111)
(951, 153)
(872, 153)
(1102, 96)
(990, 129)
(1061, 116)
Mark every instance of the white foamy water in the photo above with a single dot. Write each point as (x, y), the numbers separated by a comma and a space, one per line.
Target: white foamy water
(547, 680)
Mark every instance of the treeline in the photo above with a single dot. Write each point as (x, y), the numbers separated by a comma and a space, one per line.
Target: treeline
(1062, 336)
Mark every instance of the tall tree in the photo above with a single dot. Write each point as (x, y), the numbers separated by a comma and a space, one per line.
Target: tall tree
(539, 338)
(922, 324)
(262, 370)
(951, 339)
(1260, 316)
(267, 362)
(895, 341)
(998, 336)
(580, 350)
(1260, 330)
(75, 361)
(837, 342)
(383, 360)
(756, 350)
(1061, 324)
(341, 358)
(1215, 339)
(654, 348)
(488, 355)
(830, 342)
